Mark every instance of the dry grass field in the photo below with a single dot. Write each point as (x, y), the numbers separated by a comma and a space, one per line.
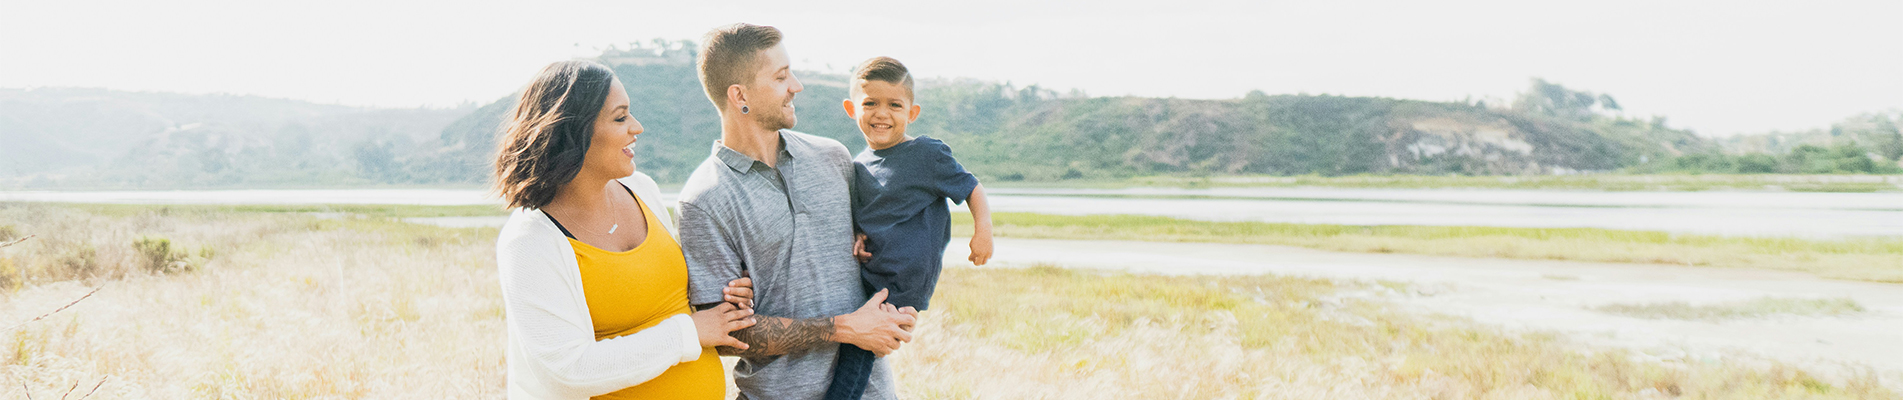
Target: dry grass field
(290, 306)
(349, 302)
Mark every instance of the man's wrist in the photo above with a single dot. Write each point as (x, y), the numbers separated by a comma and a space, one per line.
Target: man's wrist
(831, 333)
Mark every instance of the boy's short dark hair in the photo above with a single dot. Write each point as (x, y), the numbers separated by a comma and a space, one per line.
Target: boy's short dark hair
(730, 54)
(884, 69)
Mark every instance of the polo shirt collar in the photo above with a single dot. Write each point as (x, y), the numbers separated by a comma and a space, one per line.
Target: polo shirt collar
(741, 162)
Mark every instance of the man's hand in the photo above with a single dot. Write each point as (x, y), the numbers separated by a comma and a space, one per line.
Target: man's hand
(907, 310)
(740, 292)
(874, 328)
(859, 248)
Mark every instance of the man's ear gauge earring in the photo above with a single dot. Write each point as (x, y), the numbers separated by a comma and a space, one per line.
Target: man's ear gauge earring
(743, 109)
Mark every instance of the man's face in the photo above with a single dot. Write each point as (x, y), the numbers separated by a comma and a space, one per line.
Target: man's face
(770, 96)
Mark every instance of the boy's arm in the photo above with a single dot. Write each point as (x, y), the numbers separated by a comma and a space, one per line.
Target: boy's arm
(957, 184)
(980, 225)
(859, 191)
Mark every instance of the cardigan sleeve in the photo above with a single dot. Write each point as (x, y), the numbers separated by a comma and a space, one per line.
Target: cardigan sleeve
(550, 325)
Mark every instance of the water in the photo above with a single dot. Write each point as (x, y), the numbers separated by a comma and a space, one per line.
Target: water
(1723, 213)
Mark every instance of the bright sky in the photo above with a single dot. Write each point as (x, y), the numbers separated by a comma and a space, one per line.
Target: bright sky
(1719, 67)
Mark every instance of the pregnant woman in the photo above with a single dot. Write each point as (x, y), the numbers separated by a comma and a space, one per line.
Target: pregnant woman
(593, 282)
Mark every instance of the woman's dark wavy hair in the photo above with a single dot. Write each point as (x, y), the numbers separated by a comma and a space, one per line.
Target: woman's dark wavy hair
(549, 130)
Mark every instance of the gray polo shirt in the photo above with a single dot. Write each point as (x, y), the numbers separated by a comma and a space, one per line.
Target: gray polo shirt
(790, 228)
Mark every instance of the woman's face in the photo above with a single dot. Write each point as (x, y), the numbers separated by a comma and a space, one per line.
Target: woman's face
(612, 151)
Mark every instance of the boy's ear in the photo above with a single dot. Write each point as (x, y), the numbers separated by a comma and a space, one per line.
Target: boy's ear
(915, 110)
(851, 112)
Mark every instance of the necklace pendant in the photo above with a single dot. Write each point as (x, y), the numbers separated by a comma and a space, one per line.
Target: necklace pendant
(612, 229)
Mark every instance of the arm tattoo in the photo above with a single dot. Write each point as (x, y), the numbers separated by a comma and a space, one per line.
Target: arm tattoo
(776, 336)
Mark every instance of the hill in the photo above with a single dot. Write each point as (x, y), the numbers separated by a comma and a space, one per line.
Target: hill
(1005, 132)
(78, 138)
(81, 138)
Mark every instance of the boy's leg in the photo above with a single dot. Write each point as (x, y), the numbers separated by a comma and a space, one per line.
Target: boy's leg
(851, 373)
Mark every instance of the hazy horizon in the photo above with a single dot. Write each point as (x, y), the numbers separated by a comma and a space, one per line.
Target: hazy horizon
(1718, 68)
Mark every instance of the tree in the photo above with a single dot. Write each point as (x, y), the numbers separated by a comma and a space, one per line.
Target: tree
(1757, 163)
(1890, 144)
(1551, 99)
(376, 161)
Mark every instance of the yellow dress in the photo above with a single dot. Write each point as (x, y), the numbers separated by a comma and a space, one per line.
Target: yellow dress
(633, 290)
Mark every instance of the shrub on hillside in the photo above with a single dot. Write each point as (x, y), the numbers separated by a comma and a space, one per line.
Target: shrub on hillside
(1757, 163)
(160, 256)
(1846, 158)
(76, 260)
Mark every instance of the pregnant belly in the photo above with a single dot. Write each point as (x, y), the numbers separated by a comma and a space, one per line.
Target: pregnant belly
(704, 378)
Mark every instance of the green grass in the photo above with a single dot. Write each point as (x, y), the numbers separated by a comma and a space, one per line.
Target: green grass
(1865, 259)
(1606, 182)
(1755, 308)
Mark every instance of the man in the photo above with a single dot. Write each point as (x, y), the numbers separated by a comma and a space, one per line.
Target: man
(775, 205)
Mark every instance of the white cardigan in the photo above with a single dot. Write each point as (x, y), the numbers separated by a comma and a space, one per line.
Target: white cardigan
(552, 349)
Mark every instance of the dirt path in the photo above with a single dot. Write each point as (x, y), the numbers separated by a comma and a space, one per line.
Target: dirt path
(1545, 295)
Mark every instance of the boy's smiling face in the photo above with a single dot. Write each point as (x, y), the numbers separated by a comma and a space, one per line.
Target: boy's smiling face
(882, 109)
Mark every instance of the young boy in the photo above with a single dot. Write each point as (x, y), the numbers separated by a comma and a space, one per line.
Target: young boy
(899, 205)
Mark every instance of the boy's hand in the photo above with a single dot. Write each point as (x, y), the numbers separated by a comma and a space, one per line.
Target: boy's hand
(859, 248)
(980, 248)
(980, 225)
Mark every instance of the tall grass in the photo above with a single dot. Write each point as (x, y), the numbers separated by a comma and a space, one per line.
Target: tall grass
(1052, 333)
(1866, 259)
(293, 306)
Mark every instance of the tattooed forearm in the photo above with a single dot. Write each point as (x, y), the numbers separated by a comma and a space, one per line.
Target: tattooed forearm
(776, 336)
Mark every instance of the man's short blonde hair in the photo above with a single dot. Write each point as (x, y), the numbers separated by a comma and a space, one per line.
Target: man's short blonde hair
(730, 55)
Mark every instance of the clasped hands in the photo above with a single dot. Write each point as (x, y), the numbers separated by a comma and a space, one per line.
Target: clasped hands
(876, 326)
(715, 325)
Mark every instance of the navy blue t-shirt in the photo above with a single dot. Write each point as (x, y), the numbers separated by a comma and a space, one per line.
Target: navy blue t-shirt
(899, 203)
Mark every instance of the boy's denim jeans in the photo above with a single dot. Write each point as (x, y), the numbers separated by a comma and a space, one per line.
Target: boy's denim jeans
(851, 373)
